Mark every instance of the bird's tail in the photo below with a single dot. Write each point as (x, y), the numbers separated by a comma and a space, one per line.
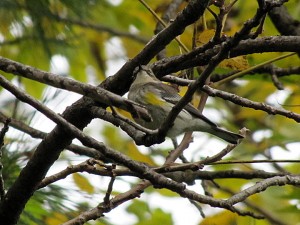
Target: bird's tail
(226, 135)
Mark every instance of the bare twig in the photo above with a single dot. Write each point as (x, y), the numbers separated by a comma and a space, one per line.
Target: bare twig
(182, 173)
(3, 131)
(102, 208)
(251, 104)
(110, 185)
(130, 122)
(263, 185)
(256, 161)
(284, 22)
(135, 131)
(238, 100)
(84, 166)
(179, 149)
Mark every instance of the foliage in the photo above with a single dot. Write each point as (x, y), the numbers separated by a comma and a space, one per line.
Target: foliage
(93, 41)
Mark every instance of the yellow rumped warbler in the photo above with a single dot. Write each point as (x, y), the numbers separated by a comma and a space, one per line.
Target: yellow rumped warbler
(159, 98)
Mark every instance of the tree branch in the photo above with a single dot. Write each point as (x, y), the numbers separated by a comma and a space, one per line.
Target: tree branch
(19, 125)
(263, 185)
(250, 104)
(237, 99)
(245, 47)
(283, 21)
(97, 93)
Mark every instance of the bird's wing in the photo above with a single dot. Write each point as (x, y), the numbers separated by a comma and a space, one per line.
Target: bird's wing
(169, 94)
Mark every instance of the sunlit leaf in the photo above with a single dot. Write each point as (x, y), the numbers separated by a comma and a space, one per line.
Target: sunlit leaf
(205, 36)
(83, 183)
(229, 218)
(236, 63)
(134, 153)
(56, 218)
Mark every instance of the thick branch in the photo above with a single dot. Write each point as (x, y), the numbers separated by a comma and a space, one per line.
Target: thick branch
(283, 21)
(245, 47)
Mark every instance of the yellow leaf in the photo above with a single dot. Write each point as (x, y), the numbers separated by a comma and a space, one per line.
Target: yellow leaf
(134, 153)
(227, 218)
(166, 192)
(236, 63)
(55, 219)
(250, 114)
(83, 183)
(205, 36)
(182, 90)
(224, 217)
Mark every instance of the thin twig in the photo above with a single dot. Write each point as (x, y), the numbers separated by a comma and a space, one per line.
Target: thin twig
(263, 185)
(255, 161)
(130, 122)
(251, 104)
(110, 186)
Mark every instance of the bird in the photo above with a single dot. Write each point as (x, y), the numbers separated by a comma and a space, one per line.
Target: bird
(159, 99)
